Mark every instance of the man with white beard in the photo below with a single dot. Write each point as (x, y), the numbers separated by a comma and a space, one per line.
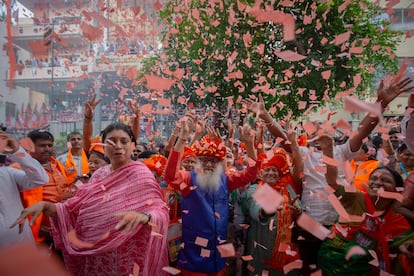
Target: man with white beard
(205, 198)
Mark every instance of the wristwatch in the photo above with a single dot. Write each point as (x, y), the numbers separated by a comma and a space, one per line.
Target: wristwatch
(148, 215)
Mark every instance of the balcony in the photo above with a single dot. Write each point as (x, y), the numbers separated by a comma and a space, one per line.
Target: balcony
(82, 68)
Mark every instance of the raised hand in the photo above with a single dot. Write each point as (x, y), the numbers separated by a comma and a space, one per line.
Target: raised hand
(11, 145)
(246, 134)
(385, 95)
(326, 143)
(134, 107)
(214, 134)
(188, 124)
(200, 126)
(256, 107)
(90, 106)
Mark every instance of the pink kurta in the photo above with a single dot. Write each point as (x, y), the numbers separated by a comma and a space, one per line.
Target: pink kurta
(91, 213)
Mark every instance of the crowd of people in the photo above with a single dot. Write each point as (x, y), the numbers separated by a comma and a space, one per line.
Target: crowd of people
(260, 199)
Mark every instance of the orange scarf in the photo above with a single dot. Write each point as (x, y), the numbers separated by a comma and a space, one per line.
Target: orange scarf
(71, 169)
(285, 219)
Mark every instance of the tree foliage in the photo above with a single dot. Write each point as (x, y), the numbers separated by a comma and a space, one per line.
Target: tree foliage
(225, 52)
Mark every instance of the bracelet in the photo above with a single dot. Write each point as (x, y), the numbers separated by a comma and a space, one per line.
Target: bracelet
(88, 118)
(149, 217)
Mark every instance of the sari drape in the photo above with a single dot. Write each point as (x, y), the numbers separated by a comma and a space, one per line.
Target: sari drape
(91, 214)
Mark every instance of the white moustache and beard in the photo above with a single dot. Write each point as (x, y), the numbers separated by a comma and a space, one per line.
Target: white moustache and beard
(209, 180)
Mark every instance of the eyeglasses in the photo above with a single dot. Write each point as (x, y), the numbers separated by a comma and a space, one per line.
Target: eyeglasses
(205, 160)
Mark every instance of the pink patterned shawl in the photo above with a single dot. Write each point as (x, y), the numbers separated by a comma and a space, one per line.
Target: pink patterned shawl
(91, 214)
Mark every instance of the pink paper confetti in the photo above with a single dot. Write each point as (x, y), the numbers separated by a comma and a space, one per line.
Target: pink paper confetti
(355, 250)
(205, 253)
(289, 55)
(72, 237)
(297, 264)
(338, 207)
(309, 128)
(135, 270)
(390, 195)
(226, 250)
(247, 258)
(312, 226)
(355, 105)
(267, 198)
(171, 270)
(201, 241)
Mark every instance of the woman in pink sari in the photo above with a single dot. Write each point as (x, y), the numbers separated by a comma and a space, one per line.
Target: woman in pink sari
(115, 225)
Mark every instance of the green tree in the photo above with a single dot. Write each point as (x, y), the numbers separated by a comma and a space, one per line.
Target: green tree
(226, 51)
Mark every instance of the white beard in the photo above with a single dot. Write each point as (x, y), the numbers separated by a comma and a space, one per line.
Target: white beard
(209, 181)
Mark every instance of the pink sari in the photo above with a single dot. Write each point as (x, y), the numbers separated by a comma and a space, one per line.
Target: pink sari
(91, 214)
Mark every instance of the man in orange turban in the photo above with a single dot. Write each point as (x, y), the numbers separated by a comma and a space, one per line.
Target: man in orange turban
(205, 198)
(156, 163)
(188, 159)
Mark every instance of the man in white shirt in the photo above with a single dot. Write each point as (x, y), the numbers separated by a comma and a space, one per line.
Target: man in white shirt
(13, 181)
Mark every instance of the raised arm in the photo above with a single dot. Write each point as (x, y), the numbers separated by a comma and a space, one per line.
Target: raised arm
(296, 156)
(385, 95)
(134, 107)
(200, 126)
(247, 136)
(260, 109)
(87, 121)
(327, 146)
(173, 138)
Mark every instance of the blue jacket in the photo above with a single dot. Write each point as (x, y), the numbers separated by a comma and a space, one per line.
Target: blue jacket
(207, 218)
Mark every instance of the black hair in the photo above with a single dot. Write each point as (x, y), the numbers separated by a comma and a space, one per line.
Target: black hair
(399, 182)
(71, 134)
(144, 145)
(100, 156)
(119, 126)
(364, 147)
(402, 147)
(376, 140)
(40, 134)
(393, 131)
(147, 154)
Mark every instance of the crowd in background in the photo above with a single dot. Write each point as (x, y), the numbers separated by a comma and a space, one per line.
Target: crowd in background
(235, 198)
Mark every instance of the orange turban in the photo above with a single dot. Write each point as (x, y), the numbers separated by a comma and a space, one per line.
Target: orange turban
(303, 140)
(211, 148)
(96, 145)
(188, 152)
(157, 163)
(280, 160)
